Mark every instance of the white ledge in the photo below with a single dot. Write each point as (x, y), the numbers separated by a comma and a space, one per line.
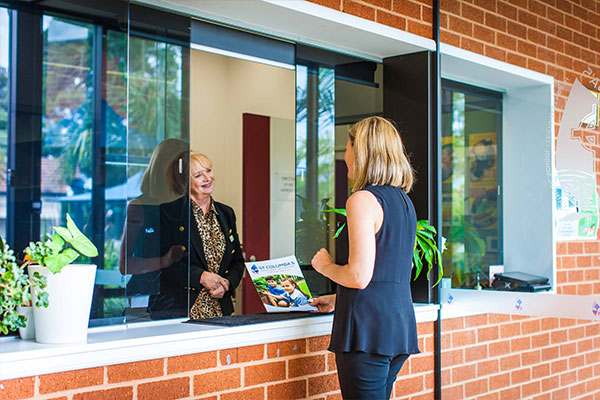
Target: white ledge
(151, 340)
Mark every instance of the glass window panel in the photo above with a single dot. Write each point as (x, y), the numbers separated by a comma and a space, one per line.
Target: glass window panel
(471, 183)
(4, 43)
(155, 138)
(315, 160)
(67, 169)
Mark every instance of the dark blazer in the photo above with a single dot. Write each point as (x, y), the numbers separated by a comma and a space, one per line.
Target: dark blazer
(177, 225)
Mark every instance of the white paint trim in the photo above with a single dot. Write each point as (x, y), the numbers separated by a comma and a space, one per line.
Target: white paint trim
(246, 57)
(152, 340)
(303, 22)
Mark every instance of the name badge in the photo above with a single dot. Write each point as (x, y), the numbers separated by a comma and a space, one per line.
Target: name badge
(231, 238)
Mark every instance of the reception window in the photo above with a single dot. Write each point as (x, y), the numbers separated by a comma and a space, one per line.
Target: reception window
(471, 182)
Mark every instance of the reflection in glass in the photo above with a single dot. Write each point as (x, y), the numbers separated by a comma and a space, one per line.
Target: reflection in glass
(315, 159)
(471, 176)
(67, 168)
(141, 155)
(4, 42)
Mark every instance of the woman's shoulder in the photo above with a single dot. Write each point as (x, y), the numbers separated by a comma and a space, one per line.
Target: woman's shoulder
(221, 207)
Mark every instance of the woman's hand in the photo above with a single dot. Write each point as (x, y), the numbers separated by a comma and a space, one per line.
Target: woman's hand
(220, 291)
(174, 255)
(213, 281)
(321, 260)
(324, 303)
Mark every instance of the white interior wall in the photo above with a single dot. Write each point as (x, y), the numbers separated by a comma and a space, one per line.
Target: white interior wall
(222, 89)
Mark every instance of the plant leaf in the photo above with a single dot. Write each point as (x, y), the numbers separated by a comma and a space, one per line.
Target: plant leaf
(341, 211)
(64, 233)
(79, 241)
(337, 233)
(417, 263)
(56, 262)
(56, 244)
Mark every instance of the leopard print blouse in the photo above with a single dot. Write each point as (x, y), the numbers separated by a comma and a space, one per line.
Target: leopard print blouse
(213, 242)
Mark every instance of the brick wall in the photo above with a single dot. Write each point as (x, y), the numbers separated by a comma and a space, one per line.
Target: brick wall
(494, 356)
(298, 369)
(484, 357)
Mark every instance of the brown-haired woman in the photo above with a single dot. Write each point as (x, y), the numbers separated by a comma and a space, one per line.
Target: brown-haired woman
(374, 327)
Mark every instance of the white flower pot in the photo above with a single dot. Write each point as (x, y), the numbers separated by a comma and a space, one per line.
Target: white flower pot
(28, 332)
(70, 299)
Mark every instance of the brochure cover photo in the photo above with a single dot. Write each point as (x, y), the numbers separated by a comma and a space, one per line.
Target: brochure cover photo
(280, 284)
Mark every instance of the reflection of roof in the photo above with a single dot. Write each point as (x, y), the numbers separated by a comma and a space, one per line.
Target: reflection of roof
(52, 180)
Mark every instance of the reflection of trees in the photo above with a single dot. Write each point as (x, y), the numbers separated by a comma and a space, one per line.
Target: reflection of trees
(315, 158)
(3, 122)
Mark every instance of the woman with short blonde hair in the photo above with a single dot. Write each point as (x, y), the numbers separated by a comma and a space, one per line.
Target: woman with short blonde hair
(374, 328)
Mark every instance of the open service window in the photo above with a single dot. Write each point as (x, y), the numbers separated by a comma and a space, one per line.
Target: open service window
(497, 170)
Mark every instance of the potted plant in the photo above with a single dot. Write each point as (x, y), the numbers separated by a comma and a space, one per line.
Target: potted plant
(426, 248)
(15, 294)
(69, 286)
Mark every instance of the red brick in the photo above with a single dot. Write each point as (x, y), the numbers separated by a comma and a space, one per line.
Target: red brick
(520, 344)
(318, 343)
(409, 385)
(191, 362)
(510, 362)
(576, 362)
(487, 333)
(135, 370)
(358, 9)
(335, 4)
(251, 353)
(531, 326)
(20, 388)
(549, 323)
(288, 348)
(520, 376)
(516, 59)
(515, 29)
(476, 320)
(496, 22)
(407, 8)
(453, 392)
(387, 4)
(393, 20)
(472, 14)
(306, 365)
(537, 8)
(453, 324)
(261, 373)
(247, 394)
(331, 365)
(498, 348)
(167, 389)
(540, 371)
(568, 378)
(420, 29)
(450, 38)
(508, 11)
(498, 318)
(531, 357)
(463, 338)
(495, 52)
(121, 393)
(473, 353)
(288, 390)
(217, 381)
(463, 373)
(451, 358)
(323, 384)
(421, 363)
(508, 330)
(460, 25)
(487, 367)
(511, 394)
(475, 388)
(500, 381)
(71, 380)
(568, 349)
(550, 353)
(530, 389)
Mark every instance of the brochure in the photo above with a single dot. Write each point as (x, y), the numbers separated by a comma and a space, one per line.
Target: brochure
(280, 284)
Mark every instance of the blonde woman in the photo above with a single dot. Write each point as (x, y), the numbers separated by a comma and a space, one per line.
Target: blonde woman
(215, 256)
(374, 328)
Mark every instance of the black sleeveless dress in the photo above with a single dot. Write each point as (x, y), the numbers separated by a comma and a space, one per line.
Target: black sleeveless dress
(380, 319)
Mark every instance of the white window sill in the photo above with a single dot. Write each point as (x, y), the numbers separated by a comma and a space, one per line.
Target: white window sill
(151, 340)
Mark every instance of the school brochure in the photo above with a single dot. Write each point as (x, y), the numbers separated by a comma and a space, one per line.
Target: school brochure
(280, 284)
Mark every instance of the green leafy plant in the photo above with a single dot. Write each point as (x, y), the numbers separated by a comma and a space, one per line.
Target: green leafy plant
(15, 290)
(426, 249)
(54, 252)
